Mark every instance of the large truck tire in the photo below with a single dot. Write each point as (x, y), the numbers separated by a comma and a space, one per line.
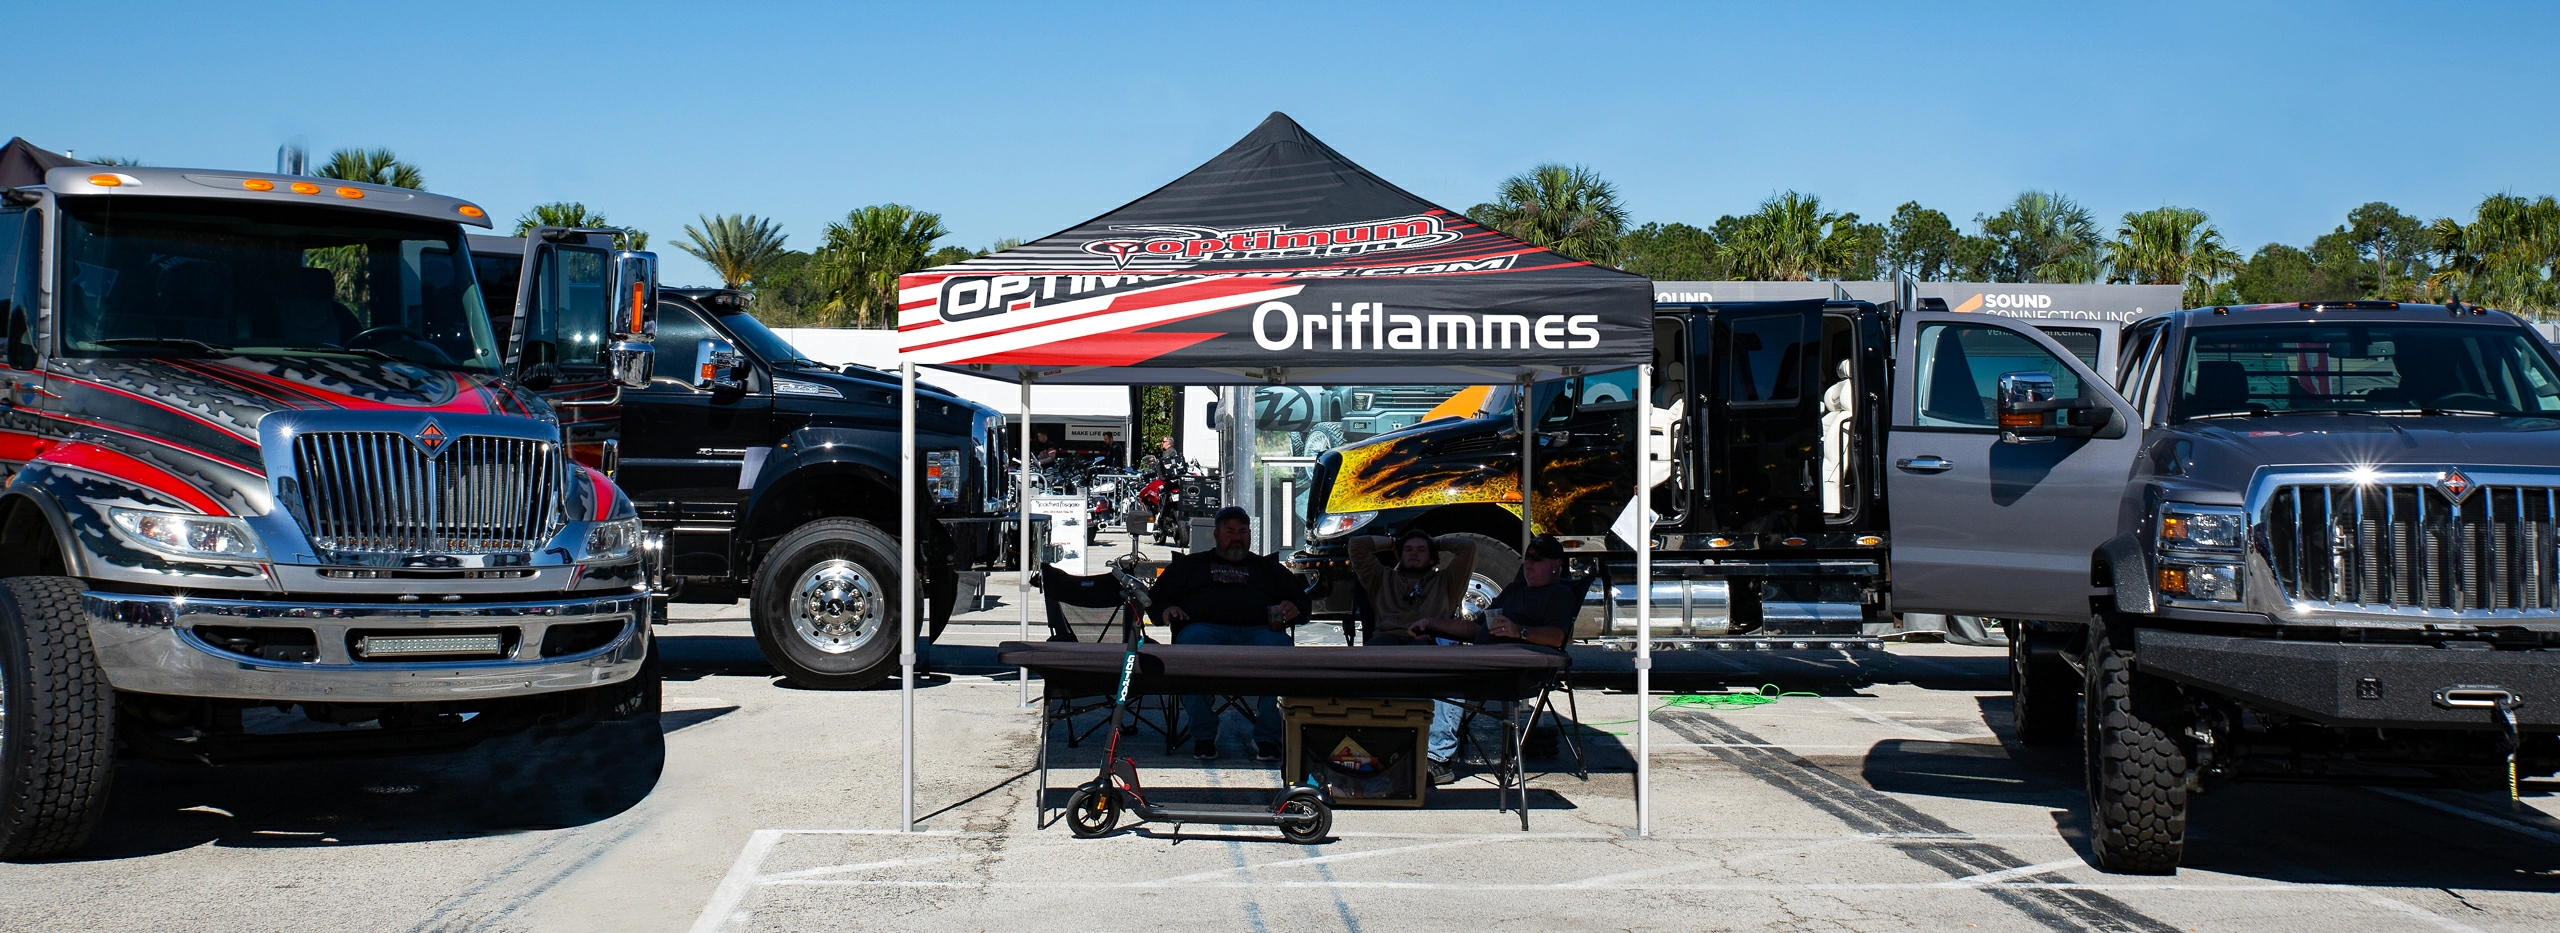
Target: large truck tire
(57, 721)
(2137, 761)
(825, 605)
(1497, 564)
(2043, 700)
(1321, 438)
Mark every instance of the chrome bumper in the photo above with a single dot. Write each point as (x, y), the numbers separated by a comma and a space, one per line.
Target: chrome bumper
(148, 644)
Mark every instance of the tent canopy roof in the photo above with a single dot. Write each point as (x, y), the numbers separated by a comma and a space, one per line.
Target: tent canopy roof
(1278, 261)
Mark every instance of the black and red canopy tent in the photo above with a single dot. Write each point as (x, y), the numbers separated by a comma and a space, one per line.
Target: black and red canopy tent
(1279, 261)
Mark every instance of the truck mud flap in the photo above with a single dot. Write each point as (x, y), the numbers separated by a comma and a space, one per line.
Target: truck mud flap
(2361, 685)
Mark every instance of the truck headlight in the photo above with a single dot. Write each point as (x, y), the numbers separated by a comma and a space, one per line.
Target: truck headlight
(191, 537)
(612, 540)
(2198, 581)
(2202, 528)
(1337, 524)
(942, 474)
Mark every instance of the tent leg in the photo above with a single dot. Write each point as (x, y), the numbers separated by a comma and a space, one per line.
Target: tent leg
(1022, 510)
(1528, 454)
(907, 594)
(1644, 602)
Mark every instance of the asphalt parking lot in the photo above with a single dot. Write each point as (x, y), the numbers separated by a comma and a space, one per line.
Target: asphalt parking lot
(1894, 804)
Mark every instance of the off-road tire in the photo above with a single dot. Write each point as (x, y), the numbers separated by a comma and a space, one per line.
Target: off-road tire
(1497, 564)
(770, 605)
(2138, 758)
(2043, 699)
(1323, 437)
(57, 740)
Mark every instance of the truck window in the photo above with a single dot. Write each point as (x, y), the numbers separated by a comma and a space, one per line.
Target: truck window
(2399, 369)
(680, 336)
(10, 219)
(1960, 369)
(227, 278)
(574, 285)
(2083, 342)
(1766, 358)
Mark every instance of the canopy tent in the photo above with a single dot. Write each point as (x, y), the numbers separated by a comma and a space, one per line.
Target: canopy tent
(1277, 261)
(22, 164)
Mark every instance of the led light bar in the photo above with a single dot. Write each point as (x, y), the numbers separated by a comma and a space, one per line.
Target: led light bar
(402, 646)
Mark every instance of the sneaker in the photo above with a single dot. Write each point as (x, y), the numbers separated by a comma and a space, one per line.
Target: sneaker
(1266, 751)
(1205, 750)
(1441, 773)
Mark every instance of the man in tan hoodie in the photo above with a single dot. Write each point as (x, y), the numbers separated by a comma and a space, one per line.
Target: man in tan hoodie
(1420, 601)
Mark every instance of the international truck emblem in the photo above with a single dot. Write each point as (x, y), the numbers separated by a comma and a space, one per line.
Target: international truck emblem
(430, 438)
(2455, 485)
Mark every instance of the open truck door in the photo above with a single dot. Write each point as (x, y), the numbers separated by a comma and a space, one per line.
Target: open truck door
(2007, 463)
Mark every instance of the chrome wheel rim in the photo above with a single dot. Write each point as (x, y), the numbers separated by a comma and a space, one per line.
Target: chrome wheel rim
(837, 607)
(1480, 593)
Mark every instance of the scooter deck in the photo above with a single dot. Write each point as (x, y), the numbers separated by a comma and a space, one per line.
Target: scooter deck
(1240, 814)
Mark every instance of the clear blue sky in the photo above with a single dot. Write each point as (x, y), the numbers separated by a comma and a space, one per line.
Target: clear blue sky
(1020, 120)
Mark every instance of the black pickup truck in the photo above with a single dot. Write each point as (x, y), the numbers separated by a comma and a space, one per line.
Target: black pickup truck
(759, 473)
(2285, 542)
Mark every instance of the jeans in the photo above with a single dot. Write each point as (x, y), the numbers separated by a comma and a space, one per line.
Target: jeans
(1444, 726)
(1195, 709)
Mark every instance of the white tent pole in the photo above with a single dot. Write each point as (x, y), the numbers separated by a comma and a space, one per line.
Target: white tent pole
(907, 592)
(1528, 452)
(1023, 564)
(1644, 600)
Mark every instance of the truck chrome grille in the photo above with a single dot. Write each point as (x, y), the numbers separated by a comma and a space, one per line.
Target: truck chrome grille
(2414, 546)
(374, 492)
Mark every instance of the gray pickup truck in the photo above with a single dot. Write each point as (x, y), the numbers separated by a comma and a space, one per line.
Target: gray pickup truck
(2331, 555)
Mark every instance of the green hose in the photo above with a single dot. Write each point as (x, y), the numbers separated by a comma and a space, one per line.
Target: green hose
(1767, 694)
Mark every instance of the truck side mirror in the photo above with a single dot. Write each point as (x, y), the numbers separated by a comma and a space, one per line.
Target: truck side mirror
(2027, 405)
(715, 366)
(635, 320)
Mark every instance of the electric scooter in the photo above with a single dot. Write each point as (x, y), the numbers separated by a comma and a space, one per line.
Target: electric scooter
(1303, 812)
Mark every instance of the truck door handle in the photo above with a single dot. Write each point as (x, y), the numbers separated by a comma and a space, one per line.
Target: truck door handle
(1925, 464)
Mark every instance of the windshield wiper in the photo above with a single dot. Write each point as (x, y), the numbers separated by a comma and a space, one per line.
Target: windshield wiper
(2257, 413)
(180, 342)
(2425, 412)
(351, 351)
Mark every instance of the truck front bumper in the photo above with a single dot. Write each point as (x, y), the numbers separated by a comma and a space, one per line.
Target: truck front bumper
(153, 644)
(2362, 685)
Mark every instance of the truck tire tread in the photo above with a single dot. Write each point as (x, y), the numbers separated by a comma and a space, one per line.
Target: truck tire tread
(2137, 763)
(2043, 700)
(64, 733)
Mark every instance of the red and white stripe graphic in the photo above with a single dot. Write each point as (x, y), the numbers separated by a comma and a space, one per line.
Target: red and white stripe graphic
(1097, 331)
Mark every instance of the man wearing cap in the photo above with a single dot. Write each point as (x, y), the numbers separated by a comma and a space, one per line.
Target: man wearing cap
(1420, 601)
(1229, 595)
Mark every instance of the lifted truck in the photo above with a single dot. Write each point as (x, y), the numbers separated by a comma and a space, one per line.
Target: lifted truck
(2317, 544)
(265, 462)
(762, 474)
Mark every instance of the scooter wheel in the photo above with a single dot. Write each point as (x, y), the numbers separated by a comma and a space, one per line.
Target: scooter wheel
(1093, 811)
(1305, 822)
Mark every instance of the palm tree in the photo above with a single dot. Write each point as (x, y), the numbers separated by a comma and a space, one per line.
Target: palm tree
(2172, 246)
(1564, 208)
(1790, 238)
(2508, 255)
(374, 166)
(2045, 237)
(859, 265)
(575, 214)
(737, 246)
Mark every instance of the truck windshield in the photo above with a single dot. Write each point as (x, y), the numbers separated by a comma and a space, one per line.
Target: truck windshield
(2386, 369)
(767, 344)
(162, 277)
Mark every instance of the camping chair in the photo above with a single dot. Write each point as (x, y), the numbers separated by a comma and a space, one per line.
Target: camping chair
(1090, 608)
(1568, 718)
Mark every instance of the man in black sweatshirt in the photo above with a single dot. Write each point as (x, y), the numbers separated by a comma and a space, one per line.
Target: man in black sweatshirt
(1230, 596)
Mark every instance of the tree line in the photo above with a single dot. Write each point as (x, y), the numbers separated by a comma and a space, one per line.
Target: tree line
(2506, 255)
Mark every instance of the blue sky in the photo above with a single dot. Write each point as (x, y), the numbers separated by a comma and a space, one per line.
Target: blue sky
(1018, 120)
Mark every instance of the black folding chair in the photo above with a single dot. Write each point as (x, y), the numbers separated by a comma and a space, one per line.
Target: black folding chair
(1568, 718)
(1091, 608)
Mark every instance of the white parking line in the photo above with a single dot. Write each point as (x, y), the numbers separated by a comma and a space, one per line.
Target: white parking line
(2021, 871)
(2468, 813)
(742, 876)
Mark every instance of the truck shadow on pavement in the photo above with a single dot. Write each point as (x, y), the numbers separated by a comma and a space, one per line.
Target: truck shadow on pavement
(2294, 833)
(536, 779)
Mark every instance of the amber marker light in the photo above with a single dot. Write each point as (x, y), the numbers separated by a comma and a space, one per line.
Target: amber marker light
(106, 181)
(257, 184)
(471, 210)
(304, 187)
(352, 194)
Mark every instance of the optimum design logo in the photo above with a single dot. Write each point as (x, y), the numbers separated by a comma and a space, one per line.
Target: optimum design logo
(1190, 244)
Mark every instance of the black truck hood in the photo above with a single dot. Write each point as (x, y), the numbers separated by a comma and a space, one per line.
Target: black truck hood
(866, 391)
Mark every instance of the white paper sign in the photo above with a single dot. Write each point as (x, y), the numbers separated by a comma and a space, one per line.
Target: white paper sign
(1066, 528)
